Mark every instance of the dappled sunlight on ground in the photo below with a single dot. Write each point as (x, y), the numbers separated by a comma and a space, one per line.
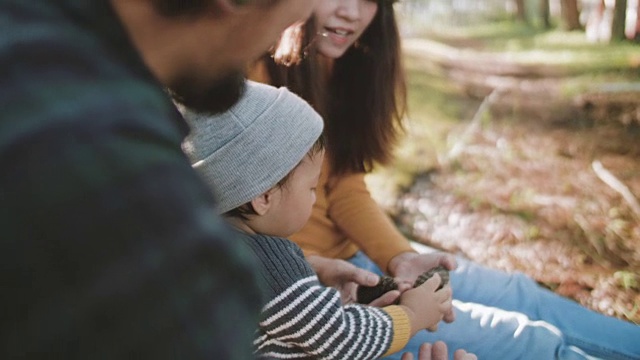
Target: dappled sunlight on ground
(523, 196)
(530, 166)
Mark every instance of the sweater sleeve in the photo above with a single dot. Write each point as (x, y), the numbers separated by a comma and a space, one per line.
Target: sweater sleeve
(355, 212)
(309, 319)
(302, 318)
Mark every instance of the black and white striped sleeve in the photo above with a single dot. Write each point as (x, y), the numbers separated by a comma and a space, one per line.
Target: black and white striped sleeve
(304, 319)
(308, 320)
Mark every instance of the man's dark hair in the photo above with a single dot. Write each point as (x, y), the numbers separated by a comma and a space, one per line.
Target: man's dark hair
(193, 7)
(181, 7)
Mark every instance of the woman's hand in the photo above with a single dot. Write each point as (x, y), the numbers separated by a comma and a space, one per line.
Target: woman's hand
(438, 351)
(407, 266)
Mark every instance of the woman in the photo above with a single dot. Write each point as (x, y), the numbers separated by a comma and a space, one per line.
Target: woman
(346, 62)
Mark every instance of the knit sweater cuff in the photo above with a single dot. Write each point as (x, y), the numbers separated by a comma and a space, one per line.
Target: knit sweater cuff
(401, 328)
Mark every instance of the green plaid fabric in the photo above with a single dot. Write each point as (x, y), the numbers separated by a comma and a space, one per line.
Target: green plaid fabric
(109, 245)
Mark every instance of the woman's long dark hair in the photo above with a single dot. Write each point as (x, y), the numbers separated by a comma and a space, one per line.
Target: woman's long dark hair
(365, 99)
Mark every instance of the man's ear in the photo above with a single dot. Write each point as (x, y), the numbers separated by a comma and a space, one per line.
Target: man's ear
(262, 203)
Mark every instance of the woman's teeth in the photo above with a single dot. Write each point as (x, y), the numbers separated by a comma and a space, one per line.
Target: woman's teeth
(339, 32)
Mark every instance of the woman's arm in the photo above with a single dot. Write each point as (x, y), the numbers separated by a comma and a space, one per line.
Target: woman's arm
(352, 208)
(354, 211)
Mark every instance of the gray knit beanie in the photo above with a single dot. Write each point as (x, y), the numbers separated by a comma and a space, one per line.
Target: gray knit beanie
(248, 149)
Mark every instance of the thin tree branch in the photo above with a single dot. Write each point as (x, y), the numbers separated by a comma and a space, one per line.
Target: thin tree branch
(608, 178)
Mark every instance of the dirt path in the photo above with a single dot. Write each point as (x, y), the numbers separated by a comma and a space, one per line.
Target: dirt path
(524, 191)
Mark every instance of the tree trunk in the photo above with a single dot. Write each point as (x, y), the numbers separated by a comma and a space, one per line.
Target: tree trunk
(636, 34)
(544, 14)
(619, 20)
(570, 14)
(521, 12)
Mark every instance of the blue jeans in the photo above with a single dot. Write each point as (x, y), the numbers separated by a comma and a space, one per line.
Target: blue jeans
(508, 316)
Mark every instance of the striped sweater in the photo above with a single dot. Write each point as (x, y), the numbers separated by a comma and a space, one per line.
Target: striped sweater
(304, 320)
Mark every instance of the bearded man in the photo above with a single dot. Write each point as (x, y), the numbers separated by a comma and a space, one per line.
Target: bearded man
(109, 246)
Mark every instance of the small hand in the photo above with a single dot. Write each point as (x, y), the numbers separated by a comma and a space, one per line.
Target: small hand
(345, 277)
(438, 351)
(425, 305)
(407, 266)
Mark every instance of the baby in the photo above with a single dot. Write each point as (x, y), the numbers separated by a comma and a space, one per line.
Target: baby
(262, 160)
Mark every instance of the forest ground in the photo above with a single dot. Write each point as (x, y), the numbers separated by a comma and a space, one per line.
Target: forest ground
(523, 166)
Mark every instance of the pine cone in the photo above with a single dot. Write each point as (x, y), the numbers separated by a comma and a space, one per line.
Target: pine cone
(441, 270)
(366, 294)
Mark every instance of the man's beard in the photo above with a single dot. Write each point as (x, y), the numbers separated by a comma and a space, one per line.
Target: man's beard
(209, 98)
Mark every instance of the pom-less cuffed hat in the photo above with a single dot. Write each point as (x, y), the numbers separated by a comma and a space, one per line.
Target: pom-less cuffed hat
(248, 149)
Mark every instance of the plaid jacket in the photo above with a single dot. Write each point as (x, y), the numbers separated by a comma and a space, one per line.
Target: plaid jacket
(109, 247)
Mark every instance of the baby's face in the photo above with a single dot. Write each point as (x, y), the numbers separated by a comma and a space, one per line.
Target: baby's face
(293, 202)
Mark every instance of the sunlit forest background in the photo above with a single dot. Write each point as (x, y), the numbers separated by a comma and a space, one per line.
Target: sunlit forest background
(522, 143)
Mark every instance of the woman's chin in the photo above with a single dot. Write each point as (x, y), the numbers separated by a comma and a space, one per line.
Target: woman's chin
(332, 52)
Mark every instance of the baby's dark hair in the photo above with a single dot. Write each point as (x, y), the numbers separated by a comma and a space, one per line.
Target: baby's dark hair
(246, 210)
